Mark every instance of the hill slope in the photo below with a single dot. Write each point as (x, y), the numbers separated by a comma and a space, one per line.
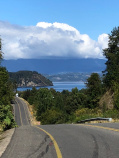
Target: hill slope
(29, 79)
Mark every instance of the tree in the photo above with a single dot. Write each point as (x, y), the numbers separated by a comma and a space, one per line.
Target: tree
(94, 84)
(52, 116)
(0, 50)
(31, 97)
(6, 117)
(6, 87)
(6, 95)
(72, 102)
(94, 90)
(111, 74)
(43, 101)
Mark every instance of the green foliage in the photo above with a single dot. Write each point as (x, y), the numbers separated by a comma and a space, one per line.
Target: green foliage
(111, 74)
(25, 94)
(116, 95)
(6, 95)
(6, 87)
(54, 107)
(73, 101)
(94, 85)
(58, 101)
(52, 116)
(22, 78)
(94, 90)
(111, 114)
(6, 117)
(43, 101)
(86, 113)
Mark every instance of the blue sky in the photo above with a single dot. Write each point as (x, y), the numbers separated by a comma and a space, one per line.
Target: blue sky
(90, 17)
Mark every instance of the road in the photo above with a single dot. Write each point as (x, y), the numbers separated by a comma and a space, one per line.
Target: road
(82, 141)
(61, 141)
(21, 112)
(28, 141)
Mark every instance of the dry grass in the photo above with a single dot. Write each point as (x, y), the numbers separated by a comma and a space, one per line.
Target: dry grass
(107, 100)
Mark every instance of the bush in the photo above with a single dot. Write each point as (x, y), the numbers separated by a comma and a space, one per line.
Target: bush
(6, 117)
(111, 114)
(52, 117)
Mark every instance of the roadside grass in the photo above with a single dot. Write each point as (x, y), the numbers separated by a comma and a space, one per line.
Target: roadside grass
(84, 114)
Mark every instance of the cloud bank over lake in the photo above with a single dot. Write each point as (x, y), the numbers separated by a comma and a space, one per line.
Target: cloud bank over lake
(47, 40)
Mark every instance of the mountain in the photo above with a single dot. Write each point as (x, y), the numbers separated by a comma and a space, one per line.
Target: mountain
(71, 76)
(55, 66)
(29, 79)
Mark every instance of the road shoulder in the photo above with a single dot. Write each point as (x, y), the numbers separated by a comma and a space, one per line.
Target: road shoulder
(5, 140)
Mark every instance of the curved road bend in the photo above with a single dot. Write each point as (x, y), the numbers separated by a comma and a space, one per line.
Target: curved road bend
(82, 141)
(74, 141)
(28, 141)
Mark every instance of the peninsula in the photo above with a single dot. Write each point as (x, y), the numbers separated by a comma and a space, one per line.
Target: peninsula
(29, 79)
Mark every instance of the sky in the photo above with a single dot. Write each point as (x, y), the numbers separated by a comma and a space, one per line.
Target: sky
(56, 28)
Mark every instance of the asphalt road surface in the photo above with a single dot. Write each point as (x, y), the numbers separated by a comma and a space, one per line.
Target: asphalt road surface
(28, 141)
(21, 112)
(82, 141)
(68, 141)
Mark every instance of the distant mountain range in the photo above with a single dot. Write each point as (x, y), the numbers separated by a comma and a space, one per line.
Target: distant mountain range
(55, 66)
(71, 76)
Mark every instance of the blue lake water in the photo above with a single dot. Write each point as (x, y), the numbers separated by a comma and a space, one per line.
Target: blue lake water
(60, 86)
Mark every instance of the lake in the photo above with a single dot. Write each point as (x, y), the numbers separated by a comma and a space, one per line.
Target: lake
(60, 86)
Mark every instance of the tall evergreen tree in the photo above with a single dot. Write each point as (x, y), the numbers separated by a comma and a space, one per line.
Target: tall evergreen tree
(94, 90)
(111, 74)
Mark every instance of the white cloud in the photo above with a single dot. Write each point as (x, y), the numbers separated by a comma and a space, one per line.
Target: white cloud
(49, 40)
(102, 40)
(56, 25)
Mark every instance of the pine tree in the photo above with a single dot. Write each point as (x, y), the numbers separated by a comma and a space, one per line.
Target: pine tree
(94, 90)
(111, 74)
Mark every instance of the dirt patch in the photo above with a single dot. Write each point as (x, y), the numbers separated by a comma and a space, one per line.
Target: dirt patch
(107, 100)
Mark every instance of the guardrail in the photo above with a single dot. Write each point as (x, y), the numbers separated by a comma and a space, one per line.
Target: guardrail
(95, 119)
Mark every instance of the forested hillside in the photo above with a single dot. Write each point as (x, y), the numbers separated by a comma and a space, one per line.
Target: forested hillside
(29, 79)
(51, 107)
